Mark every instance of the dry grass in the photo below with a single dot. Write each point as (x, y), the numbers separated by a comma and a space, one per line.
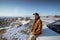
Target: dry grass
(1, 32)
(3, 39)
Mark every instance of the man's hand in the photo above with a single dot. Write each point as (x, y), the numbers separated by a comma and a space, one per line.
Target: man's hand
(33, 33)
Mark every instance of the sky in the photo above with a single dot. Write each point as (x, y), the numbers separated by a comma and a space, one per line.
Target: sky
(28, 7)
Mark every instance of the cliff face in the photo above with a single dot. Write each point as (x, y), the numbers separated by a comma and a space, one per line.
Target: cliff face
(6, 21)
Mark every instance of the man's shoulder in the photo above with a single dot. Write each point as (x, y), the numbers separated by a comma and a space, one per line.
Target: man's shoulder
(39, 19)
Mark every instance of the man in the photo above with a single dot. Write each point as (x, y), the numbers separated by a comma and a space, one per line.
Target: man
(36, 28)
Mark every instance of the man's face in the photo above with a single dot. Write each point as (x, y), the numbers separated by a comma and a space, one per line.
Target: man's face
(35, 16)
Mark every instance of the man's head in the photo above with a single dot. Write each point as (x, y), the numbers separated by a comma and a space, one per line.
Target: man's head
(36, 15)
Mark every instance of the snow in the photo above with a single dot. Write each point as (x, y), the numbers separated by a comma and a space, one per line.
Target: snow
(16, 33)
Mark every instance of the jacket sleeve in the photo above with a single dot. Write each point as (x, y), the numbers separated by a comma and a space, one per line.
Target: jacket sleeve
(32, 26)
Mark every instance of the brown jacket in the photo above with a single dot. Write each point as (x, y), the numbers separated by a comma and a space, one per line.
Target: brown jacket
(36, 28)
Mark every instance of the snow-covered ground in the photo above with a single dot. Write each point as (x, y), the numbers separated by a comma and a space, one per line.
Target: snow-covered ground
(17, 32)
(47, 34)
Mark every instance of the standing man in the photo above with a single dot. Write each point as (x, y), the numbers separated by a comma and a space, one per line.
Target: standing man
(36, 28)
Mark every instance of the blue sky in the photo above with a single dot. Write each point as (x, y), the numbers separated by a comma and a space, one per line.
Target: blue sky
(27, 8)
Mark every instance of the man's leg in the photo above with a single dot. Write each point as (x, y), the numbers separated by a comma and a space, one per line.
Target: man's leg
(32, 37)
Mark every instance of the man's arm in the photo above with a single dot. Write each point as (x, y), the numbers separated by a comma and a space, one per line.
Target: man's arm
(32, 26)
